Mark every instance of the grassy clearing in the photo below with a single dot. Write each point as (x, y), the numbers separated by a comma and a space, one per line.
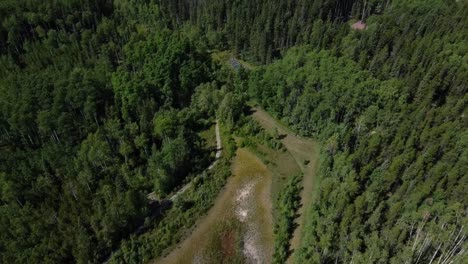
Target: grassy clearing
(239, 227)
(282, 166)
(226, 56)
(307, 209)
(222, 56)
(305, 153)
(243, 208)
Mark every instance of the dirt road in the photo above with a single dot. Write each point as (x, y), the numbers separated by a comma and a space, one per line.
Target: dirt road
(304, 150)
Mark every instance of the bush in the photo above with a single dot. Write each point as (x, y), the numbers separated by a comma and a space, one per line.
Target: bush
(288, 204)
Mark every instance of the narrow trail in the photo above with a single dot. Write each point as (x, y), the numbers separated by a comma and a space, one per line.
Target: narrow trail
(218, 146)
(152, 196)
(305, 152)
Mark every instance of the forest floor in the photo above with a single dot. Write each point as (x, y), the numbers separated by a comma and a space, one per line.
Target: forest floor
(305, 152)
(239, 227)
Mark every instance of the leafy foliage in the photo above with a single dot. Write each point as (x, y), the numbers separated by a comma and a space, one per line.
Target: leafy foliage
(261, 29)
(96, 112)
(102, 101)
(392, 119)
(288, 204)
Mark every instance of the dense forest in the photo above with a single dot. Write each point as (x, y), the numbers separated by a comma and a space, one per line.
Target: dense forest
(260, 30)
(102, 102)
(389, 104)
(98, 109)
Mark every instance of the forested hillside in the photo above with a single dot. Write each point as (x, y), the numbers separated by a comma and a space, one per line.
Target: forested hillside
(390, 105)
(96, 112)
(102, 102)
(261, 29)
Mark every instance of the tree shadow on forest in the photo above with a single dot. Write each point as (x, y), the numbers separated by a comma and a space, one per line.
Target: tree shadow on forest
(248, 111)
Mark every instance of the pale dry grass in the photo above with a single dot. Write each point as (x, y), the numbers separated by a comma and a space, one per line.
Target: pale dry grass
(282, 165)
(302, 149)
(244, 202)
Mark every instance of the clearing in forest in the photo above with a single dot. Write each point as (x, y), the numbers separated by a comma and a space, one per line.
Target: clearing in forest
(231, 60)
(305, 152)
(239, 227)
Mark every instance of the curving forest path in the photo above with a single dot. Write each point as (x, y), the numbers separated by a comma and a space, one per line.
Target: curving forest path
(305, 152)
